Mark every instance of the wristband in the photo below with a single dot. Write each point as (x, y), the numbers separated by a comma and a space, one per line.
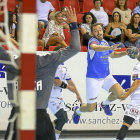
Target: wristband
(63, 85)
(73, 26)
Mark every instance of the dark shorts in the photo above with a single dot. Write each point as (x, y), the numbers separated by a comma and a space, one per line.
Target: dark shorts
(44, 127)
(45, 130)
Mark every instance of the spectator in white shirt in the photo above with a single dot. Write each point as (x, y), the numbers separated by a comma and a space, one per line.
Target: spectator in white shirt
(43, 9)
(99, 13)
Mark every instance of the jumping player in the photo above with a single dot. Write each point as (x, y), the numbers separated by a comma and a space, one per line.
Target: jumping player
(98, 74)
(56, 103)
(133, 109)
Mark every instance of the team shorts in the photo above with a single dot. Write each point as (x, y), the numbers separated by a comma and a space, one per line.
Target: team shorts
(133, 109)
(44, 127)
(94, 85)
(55, 104)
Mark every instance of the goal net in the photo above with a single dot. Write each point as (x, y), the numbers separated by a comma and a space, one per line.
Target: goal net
(23, 99)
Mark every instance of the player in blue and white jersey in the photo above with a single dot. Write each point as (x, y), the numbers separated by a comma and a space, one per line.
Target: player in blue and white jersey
(132, 112)
(98, 74)
(56, 103)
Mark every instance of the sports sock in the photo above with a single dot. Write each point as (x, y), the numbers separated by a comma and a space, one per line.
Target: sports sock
(106, 102)
(78, 111)
(57, 136)
(122, 133)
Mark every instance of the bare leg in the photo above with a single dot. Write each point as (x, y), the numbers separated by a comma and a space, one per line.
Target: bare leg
(54, 40)
(117, 91)
(41, 43)
(88, 107)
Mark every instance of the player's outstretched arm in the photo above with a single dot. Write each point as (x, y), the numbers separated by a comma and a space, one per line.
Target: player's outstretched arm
(71, 83)
(134, 86)
(56, 58)
(99, 48)
(116, 54)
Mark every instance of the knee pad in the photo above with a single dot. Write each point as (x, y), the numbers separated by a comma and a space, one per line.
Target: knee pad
(61, 119)
(128, 120)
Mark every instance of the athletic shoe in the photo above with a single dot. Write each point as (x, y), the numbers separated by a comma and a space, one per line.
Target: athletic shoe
(75, 116)
(106, 109)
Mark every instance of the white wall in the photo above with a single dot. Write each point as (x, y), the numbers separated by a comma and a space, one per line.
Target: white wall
(96, 120)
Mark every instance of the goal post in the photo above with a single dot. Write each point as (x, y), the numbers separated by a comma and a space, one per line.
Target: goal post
(27, 95)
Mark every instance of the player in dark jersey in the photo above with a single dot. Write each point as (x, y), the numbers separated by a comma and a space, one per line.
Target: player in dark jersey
(45, 71)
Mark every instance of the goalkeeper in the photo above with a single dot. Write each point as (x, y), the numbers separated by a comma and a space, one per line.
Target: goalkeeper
(46, 68)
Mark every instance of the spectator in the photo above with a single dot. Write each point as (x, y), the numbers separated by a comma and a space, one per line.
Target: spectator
(17, 11)
(43, 8)
(87, 20)
(113, 32)
(54, 35)
(121, 7)
(134, 31)
(63, 11)
(137, 9)
(99, 13)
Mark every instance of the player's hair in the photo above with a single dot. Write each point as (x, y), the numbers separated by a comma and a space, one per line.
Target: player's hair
(96, 24)
(57, 48)
(132, 18)
(118, 14)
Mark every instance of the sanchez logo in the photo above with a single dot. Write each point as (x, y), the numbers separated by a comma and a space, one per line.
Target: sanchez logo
(123, 80)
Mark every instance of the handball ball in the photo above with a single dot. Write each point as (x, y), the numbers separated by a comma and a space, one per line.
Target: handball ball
(133, 52)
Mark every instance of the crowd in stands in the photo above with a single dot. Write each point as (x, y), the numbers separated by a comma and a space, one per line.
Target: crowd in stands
(120, 27)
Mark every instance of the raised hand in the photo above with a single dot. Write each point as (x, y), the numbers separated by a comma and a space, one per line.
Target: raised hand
(71, 15)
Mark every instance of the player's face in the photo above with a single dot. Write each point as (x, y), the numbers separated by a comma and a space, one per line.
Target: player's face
(97, 32)
(116, 17)
(59, 18)
(88, 19)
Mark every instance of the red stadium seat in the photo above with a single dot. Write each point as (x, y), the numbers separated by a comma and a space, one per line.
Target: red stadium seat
(56, 4)
(73, 4)
(11, 4)
(42, 33)
(79, 17)
(67, 35)
(83, 49)
(51, 48)
(39, 48)
(131, 4)
(109, 5)
(87, 5)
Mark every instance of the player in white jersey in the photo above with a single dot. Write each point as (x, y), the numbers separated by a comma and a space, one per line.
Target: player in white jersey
(133, 109)
(98, 74)
(56, 103)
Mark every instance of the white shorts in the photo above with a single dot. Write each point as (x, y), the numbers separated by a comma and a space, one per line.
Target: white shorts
(133, 109)
(94, 85)
(55, 104)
